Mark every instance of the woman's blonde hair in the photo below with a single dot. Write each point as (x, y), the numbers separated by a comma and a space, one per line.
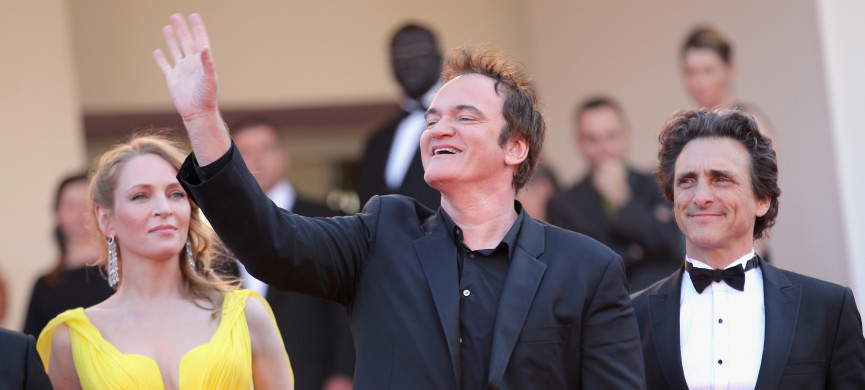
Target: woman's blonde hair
(202, 283)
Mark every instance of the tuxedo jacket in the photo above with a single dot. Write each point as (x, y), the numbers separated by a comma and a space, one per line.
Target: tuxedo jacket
(813, 334)
(643, 232)
(372, 166)
(20, 365)
(564, 319)
(315, 332)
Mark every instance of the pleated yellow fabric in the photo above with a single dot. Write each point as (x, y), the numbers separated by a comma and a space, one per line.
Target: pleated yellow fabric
(223, 363)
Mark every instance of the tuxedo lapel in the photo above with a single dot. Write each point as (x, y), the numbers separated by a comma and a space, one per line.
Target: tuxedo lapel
(781, 300)
(664, 309)
(524, 276)
(438, 258)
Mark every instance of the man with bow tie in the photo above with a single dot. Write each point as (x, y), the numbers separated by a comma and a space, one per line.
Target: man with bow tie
(728, 320)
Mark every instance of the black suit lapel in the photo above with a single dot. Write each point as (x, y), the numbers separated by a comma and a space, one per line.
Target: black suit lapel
(781, 300)
(521, 284)
(438, 257)
(664, 315)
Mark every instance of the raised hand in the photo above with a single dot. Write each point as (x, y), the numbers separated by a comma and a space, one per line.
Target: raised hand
(192, 82)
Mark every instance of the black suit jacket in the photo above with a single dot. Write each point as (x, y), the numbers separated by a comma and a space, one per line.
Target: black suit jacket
(563, 320)
(372, 181)
(643, 232)
(20, 365)
(813, 334)
(315, 332)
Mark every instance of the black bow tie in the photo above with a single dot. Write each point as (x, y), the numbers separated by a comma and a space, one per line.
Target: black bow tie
(733, 276)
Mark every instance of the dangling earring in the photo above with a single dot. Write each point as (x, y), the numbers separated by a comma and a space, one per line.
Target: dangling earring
(113, 276)
(189, 256)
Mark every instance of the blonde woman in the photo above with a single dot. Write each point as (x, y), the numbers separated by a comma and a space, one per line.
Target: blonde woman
(173, 323)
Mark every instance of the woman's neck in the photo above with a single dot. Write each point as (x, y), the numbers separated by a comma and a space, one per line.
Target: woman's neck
(147, 280)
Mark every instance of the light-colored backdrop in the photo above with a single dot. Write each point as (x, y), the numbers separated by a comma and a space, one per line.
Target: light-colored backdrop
(63, 59)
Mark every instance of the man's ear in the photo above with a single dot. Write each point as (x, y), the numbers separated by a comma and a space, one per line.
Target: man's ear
(104, 220)
(517, 151)
(763, 206)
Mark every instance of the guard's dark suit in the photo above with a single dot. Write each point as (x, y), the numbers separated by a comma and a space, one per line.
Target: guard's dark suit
(372, 180)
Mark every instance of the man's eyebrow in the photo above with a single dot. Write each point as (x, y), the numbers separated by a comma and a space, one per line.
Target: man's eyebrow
(468, 107)
(688, 174)
(720, 172)
(430, 111)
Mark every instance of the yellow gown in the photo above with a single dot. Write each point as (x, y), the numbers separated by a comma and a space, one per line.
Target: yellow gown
(223, 363)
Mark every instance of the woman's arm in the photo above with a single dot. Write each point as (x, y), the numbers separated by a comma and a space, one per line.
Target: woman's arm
(61, 368)
(270, 366)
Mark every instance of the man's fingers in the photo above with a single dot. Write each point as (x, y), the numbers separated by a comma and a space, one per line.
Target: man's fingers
(182, 31)
(207, 62)
(199, 32)
(171, 41)
(161, 61)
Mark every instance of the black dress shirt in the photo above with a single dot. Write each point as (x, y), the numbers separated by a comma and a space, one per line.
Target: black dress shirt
(481, 277)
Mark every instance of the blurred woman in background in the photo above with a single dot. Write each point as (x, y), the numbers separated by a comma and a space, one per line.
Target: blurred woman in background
(72, 283)
(707, 67)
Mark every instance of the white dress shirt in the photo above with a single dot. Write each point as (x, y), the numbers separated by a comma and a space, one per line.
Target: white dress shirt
(283, 195)
(722, 330)
(406, 141)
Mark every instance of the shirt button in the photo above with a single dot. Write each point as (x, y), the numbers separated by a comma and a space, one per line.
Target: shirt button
(466, 292)
(461, 340)
(720, 361)
(720, 320)
(472, 255)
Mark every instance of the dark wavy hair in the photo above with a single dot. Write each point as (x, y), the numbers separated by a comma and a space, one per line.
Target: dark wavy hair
(521, 104)
(684, 126)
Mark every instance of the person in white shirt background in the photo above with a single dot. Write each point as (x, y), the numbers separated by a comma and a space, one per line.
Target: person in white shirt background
(315, 331)
(728, 320)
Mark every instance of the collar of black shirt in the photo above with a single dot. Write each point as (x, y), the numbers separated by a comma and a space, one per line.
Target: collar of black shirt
(509, 240)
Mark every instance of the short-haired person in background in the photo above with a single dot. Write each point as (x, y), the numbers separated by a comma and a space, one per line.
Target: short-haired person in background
(315, 331)
(73, 282)
(391, 163)
(173, 322)
(615, 204)
(727, 320)
(474, 295)
(708, 70)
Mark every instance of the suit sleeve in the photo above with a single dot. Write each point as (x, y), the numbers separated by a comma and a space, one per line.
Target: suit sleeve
(612, 356)
(847, 365)
(36, 378)
(322, 257)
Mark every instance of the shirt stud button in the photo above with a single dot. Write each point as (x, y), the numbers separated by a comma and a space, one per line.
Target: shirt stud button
(720, 320)
(720, 361)
(466, 292)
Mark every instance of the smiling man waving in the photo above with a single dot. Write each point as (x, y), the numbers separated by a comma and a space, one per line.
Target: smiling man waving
(475, 295)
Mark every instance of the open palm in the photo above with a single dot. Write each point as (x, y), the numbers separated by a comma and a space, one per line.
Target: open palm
(192, 81)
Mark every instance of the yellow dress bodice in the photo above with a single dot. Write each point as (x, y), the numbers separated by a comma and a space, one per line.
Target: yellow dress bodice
(223, 363)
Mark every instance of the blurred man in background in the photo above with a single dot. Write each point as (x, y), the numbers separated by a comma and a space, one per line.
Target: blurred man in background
(615, 204)
(391, 162)
(315, 331)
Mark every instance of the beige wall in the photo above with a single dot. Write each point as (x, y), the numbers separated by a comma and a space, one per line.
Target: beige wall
(273, 53)
(630, 50)
(277, 54)
(844, 58)
(39, 107)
